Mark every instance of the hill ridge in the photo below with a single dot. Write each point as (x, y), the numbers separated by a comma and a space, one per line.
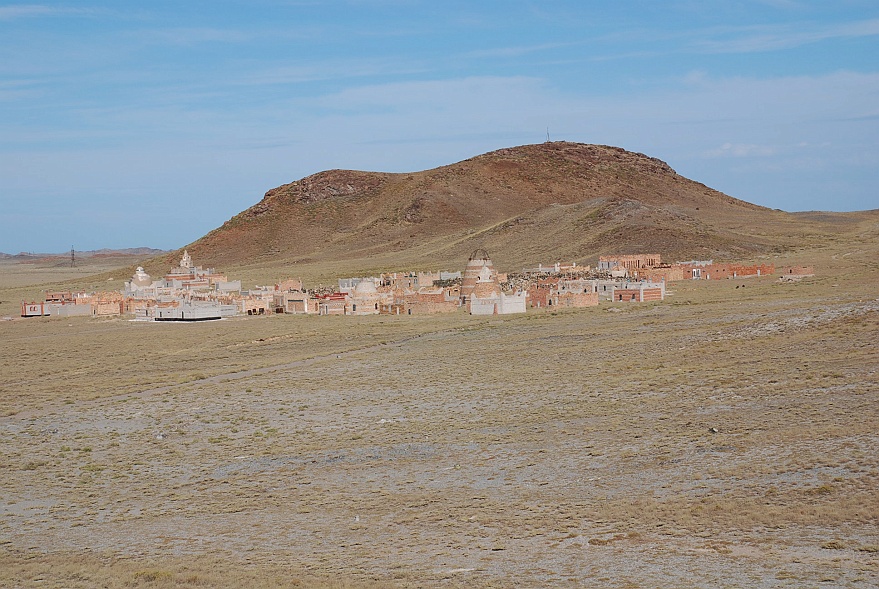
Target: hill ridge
(558, 200)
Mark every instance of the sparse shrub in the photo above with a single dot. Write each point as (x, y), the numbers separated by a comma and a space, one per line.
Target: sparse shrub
(825, 489)
(151, 575)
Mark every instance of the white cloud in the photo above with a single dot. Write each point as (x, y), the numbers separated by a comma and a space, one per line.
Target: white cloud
(769, 38)
(311, 70)
(517, 50)
(770, 141)
(24, 11)
(15, 11)
(741, 150)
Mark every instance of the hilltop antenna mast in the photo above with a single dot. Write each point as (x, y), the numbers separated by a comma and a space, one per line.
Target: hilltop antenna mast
(547, 135)
(72, 258)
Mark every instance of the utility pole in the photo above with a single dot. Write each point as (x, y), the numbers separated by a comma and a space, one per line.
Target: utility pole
(72, 258)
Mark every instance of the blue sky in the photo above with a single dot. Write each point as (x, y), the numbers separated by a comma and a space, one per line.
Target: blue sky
(127, 124)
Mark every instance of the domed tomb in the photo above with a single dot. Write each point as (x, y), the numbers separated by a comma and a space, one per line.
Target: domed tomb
(478, 260)
(365, 298)
(141, 278)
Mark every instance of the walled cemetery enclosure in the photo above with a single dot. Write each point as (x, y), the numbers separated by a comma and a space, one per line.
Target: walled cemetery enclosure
(545, 449)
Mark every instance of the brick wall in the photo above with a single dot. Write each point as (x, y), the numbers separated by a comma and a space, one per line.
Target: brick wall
(637, 294)
(629, 262)
(105, 308)
(575, 299)
(723, 271)
(430, 307)
(669, 274)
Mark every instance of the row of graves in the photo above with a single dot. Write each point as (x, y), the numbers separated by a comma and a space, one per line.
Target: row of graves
(651, 268)
(186, 293)
(192, 293)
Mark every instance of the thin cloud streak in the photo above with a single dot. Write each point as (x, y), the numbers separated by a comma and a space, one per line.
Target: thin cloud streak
(518, 51)
(763, 39)
(17, 11)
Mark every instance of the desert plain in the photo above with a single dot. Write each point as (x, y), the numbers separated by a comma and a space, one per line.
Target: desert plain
(726, 437)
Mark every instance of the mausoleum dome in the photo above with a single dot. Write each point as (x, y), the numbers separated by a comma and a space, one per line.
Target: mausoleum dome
(141, 278)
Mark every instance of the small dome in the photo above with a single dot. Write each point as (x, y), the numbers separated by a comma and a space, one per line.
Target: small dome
(141, 278)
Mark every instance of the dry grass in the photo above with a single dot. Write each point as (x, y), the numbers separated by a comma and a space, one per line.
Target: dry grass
(72, 571)
(726, 437)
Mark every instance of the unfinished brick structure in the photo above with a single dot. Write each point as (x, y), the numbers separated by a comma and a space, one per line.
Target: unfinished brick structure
(334, 304)
(569, 299)
(255, 306)
(640, 292)
(296, 303)
(428, 301)
(412, 280)
(33, 309)
(290, 284)
(724, 271)
(107, 304)
(60, 296)
(541, 293)
(629, 261)
(557, 268)
(665, 273)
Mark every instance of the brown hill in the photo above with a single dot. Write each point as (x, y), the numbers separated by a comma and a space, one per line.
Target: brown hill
(544, 202)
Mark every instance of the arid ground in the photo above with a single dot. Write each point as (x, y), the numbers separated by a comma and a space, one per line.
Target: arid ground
(727, 437)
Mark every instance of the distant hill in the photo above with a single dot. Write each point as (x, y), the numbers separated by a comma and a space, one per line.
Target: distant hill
(131, 251)
(527, 204)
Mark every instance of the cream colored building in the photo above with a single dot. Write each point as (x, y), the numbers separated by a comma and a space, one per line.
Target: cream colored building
(366, 299)
(487, 298)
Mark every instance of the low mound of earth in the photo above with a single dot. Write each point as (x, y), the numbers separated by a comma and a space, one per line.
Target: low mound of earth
(525, 204)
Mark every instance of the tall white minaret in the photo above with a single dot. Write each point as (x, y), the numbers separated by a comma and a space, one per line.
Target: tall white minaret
(186, 260)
